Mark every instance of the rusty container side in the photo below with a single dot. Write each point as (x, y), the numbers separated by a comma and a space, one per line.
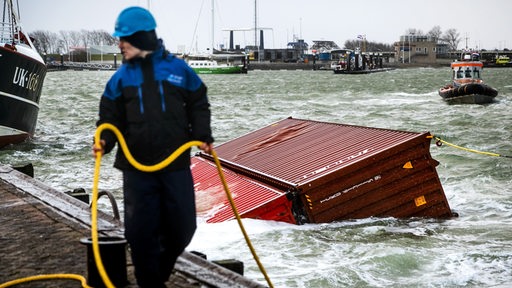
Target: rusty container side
(400, 182)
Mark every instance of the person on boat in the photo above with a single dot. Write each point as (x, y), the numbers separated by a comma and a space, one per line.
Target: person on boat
(468, 73)
(158, 103)
(476, 73)
(459, 73)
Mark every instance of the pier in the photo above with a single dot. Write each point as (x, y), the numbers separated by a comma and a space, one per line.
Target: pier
(95, 66)
(41, 230)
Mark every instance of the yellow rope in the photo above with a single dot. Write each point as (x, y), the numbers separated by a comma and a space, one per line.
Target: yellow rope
(239, 220)
(153, 168)
(94, 208)
(46, 277)
(439, 140)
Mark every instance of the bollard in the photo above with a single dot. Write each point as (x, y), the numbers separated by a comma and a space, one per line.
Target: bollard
(231, 264)
(113, 256)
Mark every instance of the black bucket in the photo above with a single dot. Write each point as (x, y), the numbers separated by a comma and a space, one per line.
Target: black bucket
(113, 257)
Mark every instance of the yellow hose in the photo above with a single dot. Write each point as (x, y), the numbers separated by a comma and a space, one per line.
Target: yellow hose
(94, 207)
(46, 277)
(136, 164)
(239, 220)
(153, 168)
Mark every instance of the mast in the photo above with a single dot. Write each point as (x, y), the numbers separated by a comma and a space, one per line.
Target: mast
(256, 28)
(213, 28)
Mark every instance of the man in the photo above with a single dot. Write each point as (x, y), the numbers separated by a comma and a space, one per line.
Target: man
(158, 103)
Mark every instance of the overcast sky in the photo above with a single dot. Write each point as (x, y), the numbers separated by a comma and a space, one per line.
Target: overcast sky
(486, 24)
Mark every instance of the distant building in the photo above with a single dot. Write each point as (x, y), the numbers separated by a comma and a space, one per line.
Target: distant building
(295, 52)
(419, 49)
(91, 53)
(324, 46)
(103, 49)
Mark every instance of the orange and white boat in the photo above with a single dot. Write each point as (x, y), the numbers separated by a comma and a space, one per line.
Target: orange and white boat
(467, 85)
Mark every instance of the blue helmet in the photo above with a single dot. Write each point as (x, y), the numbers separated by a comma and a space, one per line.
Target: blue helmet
(133, 19)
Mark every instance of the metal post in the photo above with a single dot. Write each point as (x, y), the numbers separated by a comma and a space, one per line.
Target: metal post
(409, 41)
(403, 49)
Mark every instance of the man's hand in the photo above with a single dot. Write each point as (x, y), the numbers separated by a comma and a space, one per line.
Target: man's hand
(206, 147)
(96, 149)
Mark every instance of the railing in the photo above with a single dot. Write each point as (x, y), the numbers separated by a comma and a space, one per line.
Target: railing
(81, 65)
(6, 30)
(88, 65)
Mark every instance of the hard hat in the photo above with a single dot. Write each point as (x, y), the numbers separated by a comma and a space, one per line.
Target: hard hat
(133, 19)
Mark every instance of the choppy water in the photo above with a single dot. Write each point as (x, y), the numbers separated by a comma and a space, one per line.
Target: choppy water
(473, 250)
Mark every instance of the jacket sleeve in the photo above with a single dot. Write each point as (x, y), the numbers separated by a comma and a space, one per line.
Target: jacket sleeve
(111, 111)
(198, 110)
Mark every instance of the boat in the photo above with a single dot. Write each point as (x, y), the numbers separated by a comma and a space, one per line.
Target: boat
(355, 62)
(502, 60)
(304, 171)
(21, 80)
(363, 71)
(467, 86)
(209, 64)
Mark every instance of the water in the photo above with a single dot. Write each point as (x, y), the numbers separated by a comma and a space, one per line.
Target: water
(473, 250)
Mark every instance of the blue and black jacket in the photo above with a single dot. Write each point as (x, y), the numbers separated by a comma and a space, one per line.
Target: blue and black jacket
(158, 103)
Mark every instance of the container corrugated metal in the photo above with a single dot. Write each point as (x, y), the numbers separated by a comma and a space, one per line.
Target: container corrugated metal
(252, 199)
(335, 171)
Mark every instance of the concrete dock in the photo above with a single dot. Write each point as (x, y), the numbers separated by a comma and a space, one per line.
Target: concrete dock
(40, 232)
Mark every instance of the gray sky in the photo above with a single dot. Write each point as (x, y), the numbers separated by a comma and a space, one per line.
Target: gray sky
(486, 24)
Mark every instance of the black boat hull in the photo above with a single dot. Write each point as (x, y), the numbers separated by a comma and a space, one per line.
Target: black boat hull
(472, 93)
(21, 83)
(361, 71)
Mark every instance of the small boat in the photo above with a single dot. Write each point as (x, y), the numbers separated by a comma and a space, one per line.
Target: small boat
(502, 60)
(303, 171)
(362, 71)
(467, 85)
(21, 79)
(355, 62)
(211, 66)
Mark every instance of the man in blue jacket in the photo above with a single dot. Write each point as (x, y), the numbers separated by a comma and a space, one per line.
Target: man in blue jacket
(158, 103)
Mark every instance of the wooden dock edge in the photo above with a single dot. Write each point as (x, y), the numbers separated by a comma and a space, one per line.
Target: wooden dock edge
(77, 212)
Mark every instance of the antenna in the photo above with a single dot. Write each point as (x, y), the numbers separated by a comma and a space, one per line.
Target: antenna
(255, 23)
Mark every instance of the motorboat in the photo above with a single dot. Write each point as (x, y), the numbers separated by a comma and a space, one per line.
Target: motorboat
(211, 66)
(467, 86)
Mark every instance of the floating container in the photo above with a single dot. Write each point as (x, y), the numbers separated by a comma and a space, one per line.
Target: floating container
(303, 171)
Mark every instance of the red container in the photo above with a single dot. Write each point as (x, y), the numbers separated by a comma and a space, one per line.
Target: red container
(302, 171)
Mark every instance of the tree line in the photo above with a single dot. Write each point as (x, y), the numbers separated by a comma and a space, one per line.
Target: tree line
(47, 42)
(450, 37)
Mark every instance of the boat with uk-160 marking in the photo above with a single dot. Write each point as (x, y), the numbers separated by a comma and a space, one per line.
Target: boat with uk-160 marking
(21, 80)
